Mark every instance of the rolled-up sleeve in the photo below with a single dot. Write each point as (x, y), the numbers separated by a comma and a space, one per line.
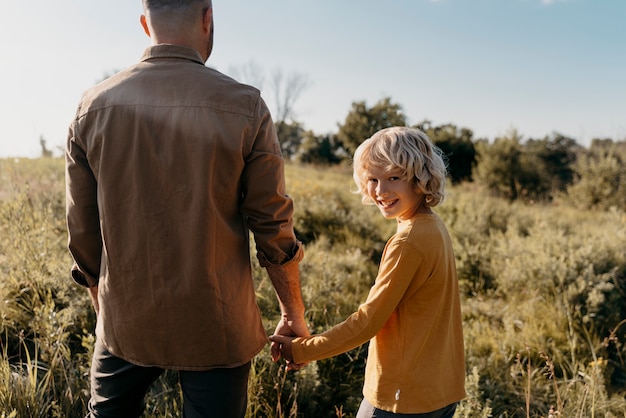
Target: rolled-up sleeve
(266, 205)
(83, 223)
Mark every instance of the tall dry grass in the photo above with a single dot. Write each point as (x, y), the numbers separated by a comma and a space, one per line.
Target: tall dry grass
(544, 291)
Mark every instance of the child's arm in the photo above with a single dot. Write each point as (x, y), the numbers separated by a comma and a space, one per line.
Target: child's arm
(397, 270)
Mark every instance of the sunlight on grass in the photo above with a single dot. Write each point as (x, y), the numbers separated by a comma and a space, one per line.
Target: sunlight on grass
(543, 301)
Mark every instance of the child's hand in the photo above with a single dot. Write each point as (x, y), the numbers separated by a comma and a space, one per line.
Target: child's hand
(284, 344)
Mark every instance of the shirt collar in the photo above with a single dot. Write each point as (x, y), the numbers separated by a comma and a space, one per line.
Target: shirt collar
(171, 51)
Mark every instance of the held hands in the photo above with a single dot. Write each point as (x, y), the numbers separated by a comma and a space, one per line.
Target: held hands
(285, 332)
(284, 348)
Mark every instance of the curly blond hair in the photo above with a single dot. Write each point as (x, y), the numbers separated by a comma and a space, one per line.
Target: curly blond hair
(408, 150)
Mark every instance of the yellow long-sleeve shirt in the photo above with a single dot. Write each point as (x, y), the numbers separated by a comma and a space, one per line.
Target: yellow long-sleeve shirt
(412, 315)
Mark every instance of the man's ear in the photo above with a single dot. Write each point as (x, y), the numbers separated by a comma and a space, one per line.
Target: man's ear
(207, 19)
(144, 24)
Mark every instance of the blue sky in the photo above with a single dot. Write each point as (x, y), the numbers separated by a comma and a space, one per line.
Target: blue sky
(536, 66)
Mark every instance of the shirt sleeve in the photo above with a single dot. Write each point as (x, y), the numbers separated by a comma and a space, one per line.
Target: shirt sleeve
(265, 203)
(397, 269)
(83, 223)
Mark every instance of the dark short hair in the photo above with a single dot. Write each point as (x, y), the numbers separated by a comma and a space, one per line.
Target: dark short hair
(168, 4)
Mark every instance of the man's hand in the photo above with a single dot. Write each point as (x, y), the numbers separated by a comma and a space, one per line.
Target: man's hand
(288, 329)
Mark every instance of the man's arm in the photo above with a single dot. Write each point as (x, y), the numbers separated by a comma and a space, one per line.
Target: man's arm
(82, 215)
(269, 215)
(93, 294)
(286, 282)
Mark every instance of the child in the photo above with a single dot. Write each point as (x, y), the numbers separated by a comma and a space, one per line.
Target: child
(412, 315)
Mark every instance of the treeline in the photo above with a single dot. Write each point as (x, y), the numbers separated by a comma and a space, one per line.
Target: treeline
(548, 169)
(555, 168)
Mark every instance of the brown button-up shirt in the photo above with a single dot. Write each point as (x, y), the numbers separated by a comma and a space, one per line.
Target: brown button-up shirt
(169, 165)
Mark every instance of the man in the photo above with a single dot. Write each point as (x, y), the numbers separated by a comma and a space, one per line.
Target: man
(169, 164)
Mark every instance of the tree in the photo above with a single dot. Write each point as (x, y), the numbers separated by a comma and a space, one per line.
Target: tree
(535, 170)
(607, 145)
(547, 166)
(250, 73)
(499, 164)
(601, 177)
(285, 91)
(290, 136)
(457, 146)
(362, 122)
(318, 149)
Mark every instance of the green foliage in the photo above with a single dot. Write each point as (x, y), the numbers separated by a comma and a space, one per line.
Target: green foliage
(290, 136)
(544, 291)
(363, 121)
(318, 149)
(601, 176)
(541, 283)
(549, 165)
(537, 170)
(532, 170)
(499, 165)
(457, 146)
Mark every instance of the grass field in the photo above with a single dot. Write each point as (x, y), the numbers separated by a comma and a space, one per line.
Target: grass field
(543, 287)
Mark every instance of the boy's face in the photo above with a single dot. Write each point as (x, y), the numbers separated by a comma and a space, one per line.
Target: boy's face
(395, 197)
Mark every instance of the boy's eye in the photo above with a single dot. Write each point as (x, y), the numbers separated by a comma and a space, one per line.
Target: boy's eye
(394, 178)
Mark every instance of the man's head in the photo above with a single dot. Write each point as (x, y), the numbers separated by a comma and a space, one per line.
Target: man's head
(180, 22)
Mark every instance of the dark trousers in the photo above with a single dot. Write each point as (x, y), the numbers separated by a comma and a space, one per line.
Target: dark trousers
(368, 411)
(118, 389)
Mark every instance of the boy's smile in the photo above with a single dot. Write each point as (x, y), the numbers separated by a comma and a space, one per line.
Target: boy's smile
(395, 196)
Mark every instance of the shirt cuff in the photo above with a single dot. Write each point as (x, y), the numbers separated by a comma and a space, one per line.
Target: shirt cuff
(83, 279)
(298, 255)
